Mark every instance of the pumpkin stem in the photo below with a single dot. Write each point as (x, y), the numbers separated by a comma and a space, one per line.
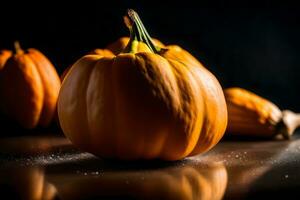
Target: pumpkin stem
(289, 123)
(138, 32)
(18, 48)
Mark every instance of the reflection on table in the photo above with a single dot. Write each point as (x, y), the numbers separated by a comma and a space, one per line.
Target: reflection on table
(49, 167)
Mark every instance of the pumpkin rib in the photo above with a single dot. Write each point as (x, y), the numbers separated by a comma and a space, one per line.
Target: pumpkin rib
(184, 57)
(167, 140)
(208, 75)
(116, 150)
(119, 132)
(218, 117)
(51, 85)
(89, 133)
(126, 115)
(72, 120)
(193, 133)
(97, 120)
(31, 75)
(24, 92)
(159, 142)
(184, 113)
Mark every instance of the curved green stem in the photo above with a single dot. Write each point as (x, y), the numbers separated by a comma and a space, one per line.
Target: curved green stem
(138, 33)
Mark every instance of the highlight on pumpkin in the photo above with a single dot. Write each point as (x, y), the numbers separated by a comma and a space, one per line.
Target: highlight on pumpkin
(159, 100)
(252, 115)
(30, 100)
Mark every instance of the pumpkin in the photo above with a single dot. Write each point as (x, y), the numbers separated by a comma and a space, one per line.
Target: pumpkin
(141, 104)
(29, 87)
(4, 55)
(252, 115)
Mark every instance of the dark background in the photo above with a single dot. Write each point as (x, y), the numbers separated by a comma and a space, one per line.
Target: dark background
(255, 45)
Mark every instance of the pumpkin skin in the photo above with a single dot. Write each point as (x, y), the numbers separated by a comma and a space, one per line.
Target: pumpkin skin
(29, 87)
(250, 114)
(112, 49)
(103, 52)
(141, 105)
(4, 55)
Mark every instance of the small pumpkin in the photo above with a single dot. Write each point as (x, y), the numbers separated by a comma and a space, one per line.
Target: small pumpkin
(4, 55)
(141, 104)
(29, 87)
(252, 115)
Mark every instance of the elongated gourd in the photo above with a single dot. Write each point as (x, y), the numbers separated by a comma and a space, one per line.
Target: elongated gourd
(252, 115)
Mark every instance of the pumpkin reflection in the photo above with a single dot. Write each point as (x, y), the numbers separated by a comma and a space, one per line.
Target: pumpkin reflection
(188, 182)
(26, 184)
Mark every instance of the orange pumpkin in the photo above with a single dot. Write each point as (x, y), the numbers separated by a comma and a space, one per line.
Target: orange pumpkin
(29, 87)
(141, 104)
(4, 55)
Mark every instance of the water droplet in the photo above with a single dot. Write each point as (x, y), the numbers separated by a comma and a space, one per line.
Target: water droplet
(286, 176)
(85, 173)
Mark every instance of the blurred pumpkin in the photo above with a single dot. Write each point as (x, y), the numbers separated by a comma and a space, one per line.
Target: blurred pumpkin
(252, 115)
(141, 104)
(29, 87)
(4, 55)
